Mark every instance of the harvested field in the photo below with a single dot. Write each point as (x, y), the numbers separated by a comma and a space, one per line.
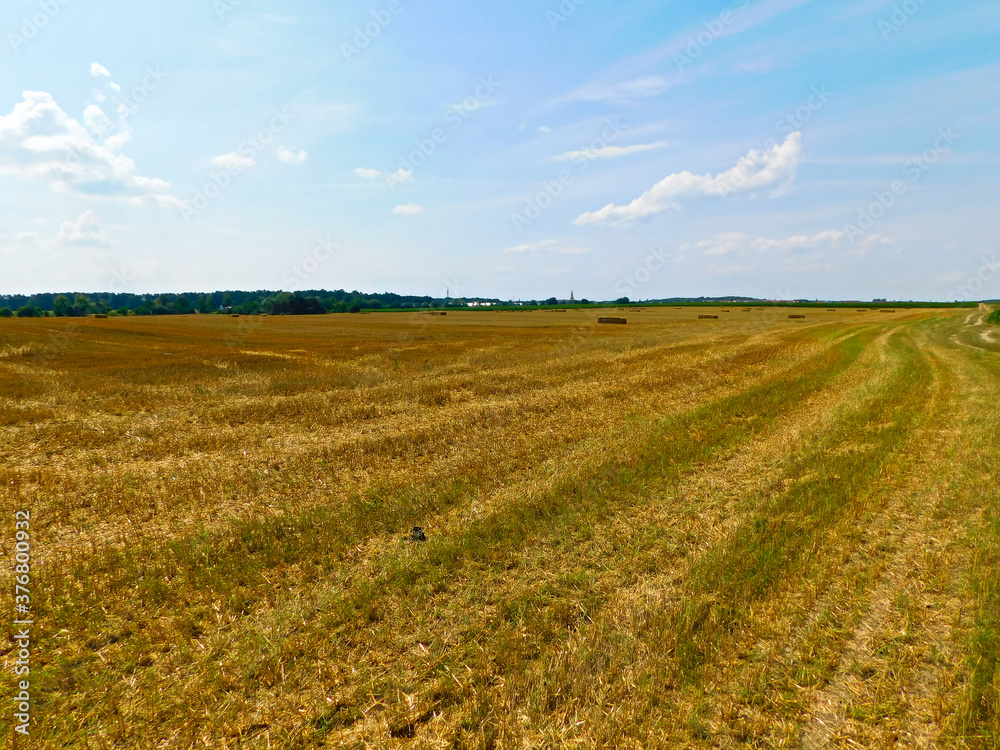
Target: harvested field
(750, 534)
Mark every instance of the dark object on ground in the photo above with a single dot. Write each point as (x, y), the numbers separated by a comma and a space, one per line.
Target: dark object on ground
(708, 317)
(618, 321)
(418, 535)
(796, 317)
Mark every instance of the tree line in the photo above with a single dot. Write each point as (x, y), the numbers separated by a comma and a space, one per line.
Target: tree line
(314, 302)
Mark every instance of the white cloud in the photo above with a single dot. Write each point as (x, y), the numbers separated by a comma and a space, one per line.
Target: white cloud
(86, 230)
(742, 245)
(738, 252)
(291, 157)
(408, 209)
(775, 168)
(549, 246)
(544, 129)
(610, 151)
(41, 143)
(233, 161)
(624, 92)
(96, 69)
(95, 120)
(400, 175)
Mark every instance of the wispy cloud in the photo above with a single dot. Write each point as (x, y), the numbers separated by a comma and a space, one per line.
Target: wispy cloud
(86, 230)
(233, 161)
(641, 76)
(291, 157)
(610, 151)
(742, 253)
(547, 246)
(408, 209)
(775, 169)
(400, 175)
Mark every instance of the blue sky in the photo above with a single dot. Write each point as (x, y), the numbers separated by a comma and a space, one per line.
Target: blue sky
(775, 148)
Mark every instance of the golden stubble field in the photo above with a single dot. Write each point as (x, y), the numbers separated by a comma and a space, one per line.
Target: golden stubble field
(746, 532)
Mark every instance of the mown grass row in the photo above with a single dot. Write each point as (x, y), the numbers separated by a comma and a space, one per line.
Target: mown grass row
(976, 723)
(786, 535)
(785, 539)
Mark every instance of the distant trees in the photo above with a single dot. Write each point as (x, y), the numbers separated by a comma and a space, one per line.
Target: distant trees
(30, 311)
(62, 307)
(287, 303)
(6, 312)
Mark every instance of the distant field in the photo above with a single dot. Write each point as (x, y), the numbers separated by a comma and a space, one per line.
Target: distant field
(750, 531)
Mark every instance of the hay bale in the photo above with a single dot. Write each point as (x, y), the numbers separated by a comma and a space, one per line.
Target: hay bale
(234, 315)
(796, 317)
(614, 321)
(99, 315)
(708, 317)
(888, 311)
